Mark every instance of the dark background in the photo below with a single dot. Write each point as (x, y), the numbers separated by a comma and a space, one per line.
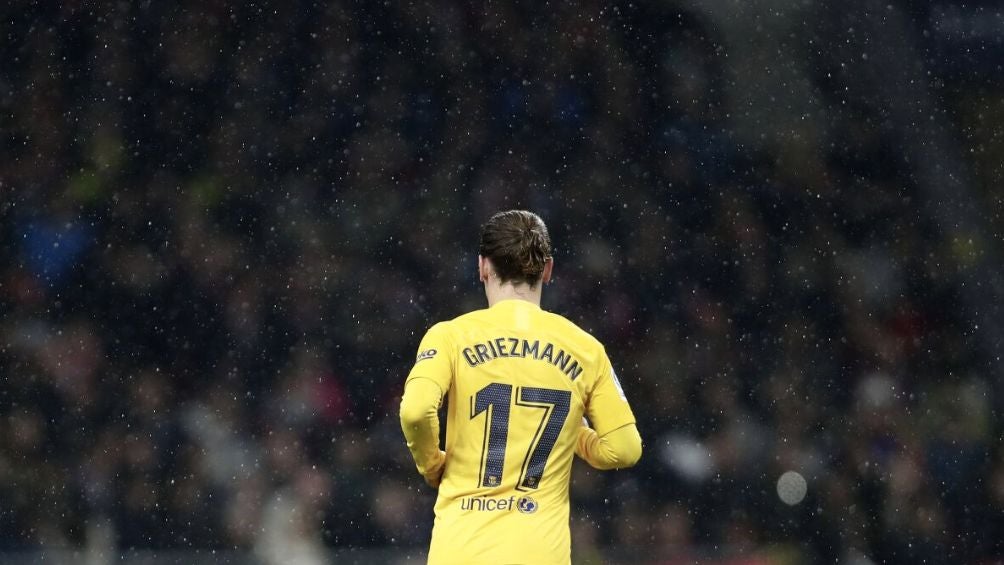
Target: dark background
(226, 227)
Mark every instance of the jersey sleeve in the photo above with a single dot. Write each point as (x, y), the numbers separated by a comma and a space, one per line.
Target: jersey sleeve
(607, 407)
(617, 449)
(435, 358)
(420, 424)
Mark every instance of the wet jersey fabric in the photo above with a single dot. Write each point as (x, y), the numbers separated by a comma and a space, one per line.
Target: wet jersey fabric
(517, 381)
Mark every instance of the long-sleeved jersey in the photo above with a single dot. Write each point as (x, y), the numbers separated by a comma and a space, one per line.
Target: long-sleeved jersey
(518, 381)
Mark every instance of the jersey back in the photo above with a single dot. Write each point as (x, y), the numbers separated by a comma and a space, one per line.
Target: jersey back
(518, 381)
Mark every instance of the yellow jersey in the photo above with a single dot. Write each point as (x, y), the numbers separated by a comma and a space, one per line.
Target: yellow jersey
(518, 381)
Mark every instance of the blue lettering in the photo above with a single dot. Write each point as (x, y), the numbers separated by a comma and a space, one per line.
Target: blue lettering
(469, 355)
(562, 359)
(484, 504)
(482, 352)
(548, 353)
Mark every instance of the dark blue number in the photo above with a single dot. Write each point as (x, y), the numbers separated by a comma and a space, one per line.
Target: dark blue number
(555, 404)
(497, 397)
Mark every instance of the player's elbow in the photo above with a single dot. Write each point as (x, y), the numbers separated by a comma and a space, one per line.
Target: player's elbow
(419, 404)
(625, 448)
(413, 413)
(632, 450)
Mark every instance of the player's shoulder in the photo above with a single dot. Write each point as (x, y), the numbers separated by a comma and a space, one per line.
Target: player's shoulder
(456, 324)
(440, 331)
(472, 317)
(572, 331)
(552, 322)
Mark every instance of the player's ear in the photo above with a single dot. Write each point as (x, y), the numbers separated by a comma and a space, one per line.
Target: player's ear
(483, 268)
(545, 277)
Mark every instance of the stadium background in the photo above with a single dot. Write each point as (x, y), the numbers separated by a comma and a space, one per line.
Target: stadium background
(225, 228)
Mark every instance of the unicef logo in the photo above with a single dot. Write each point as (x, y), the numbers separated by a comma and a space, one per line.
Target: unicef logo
(526, 505)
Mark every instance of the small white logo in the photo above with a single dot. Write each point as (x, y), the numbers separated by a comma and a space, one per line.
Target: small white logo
(526, 505)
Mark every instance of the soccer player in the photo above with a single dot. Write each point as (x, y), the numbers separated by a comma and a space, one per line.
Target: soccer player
(526, 390)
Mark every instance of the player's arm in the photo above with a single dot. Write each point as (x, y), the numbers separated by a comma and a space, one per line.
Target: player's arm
(618, 449)
(613, 441)
(423, 395)
(420, 424)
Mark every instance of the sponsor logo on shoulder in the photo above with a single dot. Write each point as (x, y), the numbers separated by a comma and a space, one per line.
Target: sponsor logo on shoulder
(427, 354)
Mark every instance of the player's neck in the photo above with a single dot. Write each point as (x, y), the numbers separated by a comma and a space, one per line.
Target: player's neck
(497, 293)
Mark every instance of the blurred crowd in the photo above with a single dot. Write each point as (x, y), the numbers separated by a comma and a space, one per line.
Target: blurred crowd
(226, 227)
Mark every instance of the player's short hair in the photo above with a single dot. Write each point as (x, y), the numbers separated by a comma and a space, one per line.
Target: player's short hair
(518, 245)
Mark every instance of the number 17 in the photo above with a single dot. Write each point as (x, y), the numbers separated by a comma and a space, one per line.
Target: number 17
(496, 399)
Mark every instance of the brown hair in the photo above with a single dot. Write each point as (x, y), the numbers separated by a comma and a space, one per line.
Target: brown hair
(518, 245)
